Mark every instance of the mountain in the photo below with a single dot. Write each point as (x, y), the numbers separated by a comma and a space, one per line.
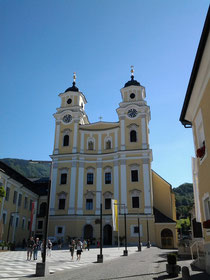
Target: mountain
(184, 199)
(29, 168)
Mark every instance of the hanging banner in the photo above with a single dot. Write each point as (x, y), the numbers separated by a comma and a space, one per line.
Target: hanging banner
(114, 215)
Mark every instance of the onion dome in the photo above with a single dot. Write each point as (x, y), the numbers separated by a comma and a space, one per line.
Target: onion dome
(132, 82)
(73, 88)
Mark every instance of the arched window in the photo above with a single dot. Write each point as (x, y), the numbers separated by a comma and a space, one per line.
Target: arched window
(66, 140)
(90, 145)
(133, 136)
(108, 144)
(43, 209)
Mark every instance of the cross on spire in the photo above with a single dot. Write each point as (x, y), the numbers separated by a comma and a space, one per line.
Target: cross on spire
(132, 71)
(74, 77)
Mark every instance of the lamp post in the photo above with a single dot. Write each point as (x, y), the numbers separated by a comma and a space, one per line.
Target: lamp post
(148, 242)
(100, 256)
(42, 268)
(139, 245)
(125, 252)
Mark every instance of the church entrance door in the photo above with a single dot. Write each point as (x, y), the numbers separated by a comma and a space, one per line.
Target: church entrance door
(107, 235)
(167, 239)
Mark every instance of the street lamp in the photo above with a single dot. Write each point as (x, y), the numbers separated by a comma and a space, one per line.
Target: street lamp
(100, 256)
(139, 245)
(148, 242)
(42, 268)
(125, 252)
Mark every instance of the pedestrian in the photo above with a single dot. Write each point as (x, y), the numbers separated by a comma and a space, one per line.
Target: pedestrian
(30, 246)
(36, 248)
(24, 243)
(49, 248)
(84, 245)
(72, 248)
(59, 243)
(79, 249)
(88, 244)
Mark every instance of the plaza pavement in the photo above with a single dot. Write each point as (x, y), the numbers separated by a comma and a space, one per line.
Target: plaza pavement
(150, 264)
(13, 264)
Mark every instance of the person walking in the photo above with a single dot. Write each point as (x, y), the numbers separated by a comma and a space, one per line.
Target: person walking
(79, 249)
(88, 244)
(30, 247)
(36, 248)
(49, 248)
(84, 245)
(72, 248)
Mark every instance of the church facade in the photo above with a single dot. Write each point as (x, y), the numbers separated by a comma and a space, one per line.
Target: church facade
(98, 162)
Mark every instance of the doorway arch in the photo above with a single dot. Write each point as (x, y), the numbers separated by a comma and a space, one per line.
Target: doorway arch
(88, 232)
(107, 233)
(167, 241)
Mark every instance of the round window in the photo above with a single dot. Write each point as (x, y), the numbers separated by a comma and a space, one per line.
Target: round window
(132, 95)
(69, 101)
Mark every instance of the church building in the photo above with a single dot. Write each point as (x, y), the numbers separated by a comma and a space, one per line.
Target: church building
(98, 162)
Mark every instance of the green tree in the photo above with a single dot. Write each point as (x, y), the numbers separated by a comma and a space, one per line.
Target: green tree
(2, 192)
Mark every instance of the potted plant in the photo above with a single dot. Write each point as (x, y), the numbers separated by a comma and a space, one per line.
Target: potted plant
(171, 267)
(5, 246)
(1, 246)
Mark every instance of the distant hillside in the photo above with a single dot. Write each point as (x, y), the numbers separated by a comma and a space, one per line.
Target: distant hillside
(184, 199)
(29, 168)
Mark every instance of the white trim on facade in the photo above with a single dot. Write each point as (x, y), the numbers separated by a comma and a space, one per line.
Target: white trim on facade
(147, 189)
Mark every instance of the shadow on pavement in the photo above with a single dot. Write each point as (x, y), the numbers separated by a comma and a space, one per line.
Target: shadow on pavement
(130, 276)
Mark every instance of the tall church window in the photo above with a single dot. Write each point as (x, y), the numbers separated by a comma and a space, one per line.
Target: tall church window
(90, 145)
(63, 180)
(135, 202)
(108, 178)
(66, 140)
(134, 176)
(107, 203)
(89, 178)
(133, 136)
(62, 202)
(108, 144)
(135, 198)
(89, 204)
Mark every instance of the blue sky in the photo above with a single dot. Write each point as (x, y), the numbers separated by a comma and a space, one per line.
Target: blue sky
(44, 41)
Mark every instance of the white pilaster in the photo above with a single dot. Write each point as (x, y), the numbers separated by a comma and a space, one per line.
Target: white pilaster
(82, 143)
(116, 180)
(54, 174)
(99, 143)
(147, 189)
(71, 209)
(144, 133)
(123, 182)
(57, 135)
(80, 189)
(74, 149)
(122, 130)
(116, 140)
(98, 186)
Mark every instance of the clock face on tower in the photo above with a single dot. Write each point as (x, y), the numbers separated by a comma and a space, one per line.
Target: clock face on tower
(132, 113)
(67, 118)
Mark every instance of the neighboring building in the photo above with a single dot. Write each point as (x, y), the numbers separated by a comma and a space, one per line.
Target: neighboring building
(16, 206)
(196, 114)
(108, 160)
